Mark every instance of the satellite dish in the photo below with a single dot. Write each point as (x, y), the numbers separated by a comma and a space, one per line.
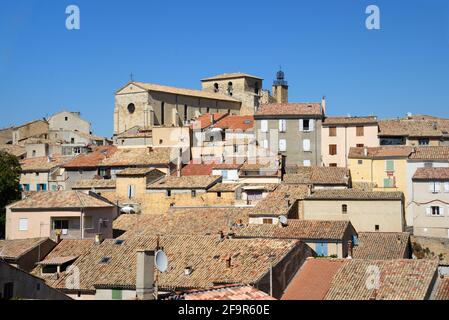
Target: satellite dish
(161, 261)
(283, 220)
(128, 210)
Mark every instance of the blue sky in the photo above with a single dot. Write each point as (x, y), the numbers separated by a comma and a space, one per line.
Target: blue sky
(322, 45)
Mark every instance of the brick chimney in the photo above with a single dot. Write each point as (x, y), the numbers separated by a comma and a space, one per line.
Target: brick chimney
(350, 249)
(145, 275)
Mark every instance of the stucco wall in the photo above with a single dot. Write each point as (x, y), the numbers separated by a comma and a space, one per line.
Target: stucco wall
(364, 215)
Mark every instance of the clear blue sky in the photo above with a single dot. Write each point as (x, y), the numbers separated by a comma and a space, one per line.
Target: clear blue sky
(323, 47)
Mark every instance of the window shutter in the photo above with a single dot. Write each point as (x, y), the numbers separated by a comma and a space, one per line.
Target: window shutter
(431, 187)
(446, 187)
(307, 163)
(282, 125)
(282, 145)
(265, 144)
(301, 125)
(312, 125)
(428, 211)
(264, 125)
(306, 144)
(437, 187)
(442, 211)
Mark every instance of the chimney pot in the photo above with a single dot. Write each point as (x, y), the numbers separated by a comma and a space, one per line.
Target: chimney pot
(229, 262)
(145, 275)
(98, 238)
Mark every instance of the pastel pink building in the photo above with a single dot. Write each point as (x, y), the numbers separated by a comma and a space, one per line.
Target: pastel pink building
(71, 214)
(339, 134)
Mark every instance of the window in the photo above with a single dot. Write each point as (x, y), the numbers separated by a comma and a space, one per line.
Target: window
(216, 87)
(389, 165)
(34, 153)
(306, 145)
(72, 140)
(264, 126)
(41, 187)
(306, 125)
(332, 149)
(435, 211)
(360, 162)
(267, 221)
(389, 183)
(60, 224)
(162, 113)
(344, 209)
(377, 227)
(282, 145)
(265, 144)
(161, 141)
(307, 163)
(26, 187)
(23, 224)
(66, 118)
(434, 187)
(332, 131)
(360, 145)
(218, 194)
(185, 113)
(193, 193)
(131, 191)
(333, 165)
(282, 125)
(224, 174)
(446, 187)
(230, 89)
(88, 222)
(168, 193)
(424, 142)
(131, 108)
(360, 131)
(256, 88)
(428, 165)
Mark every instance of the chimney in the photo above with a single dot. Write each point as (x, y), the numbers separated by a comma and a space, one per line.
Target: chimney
(58, 236)
(98, 238)
(323, 104)
(188, 271)
(350, 249)
(211, 118)
(221, 236)
(145, 275)
(178, 164)
(365, 151)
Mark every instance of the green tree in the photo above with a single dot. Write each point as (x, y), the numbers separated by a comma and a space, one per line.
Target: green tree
(9, 185)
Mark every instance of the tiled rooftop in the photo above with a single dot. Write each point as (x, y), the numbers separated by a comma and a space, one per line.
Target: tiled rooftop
(232, 75)
(442, 289)
(297, 229)
(14, 150)
(185, 92)
(350, 121)
(13, 249)
(59, 199)
(138, 157)
(431, 174)
(280, 201)
(398, 280)
(135, 172)
(229, 293)
(382, 246)
(318, 176)
(91, 160)
(94, 183)
(207, 221)
(353, 194)
(290, 109)
(250, 260)
(380, 152)
(435, 153)
(204, 120)
(185, 182)
(243, 123)
(43, 164)
(426, 127)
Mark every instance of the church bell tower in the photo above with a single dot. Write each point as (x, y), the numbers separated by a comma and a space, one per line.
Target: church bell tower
(280, 88)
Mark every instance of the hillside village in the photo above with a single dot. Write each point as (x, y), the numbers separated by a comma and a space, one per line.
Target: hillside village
(248, 196)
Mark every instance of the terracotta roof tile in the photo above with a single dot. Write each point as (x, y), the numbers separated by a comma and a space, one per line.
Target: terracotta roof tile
(13, 249)
(398, 280)
(298, 229)
(243, 123)
(318, 176)
(431, 174)
(59, 199)
(204, 120)
(427, 128)
(138, 157)
(290, 109)
(442, 291)
(382, 246)
(353, 194)
(93, 159)
(313, 280)
(430, 153)
(15, 150)
(43, 164)
(94, 183)
(380, 152)
(185, 182)
(229, 293)
(352, 121)
(230, 76)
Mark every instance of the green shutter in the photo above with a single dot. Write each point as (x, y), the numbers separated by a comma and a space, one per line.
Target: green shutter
(389, 165)
(116, 294)
(388, 183)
